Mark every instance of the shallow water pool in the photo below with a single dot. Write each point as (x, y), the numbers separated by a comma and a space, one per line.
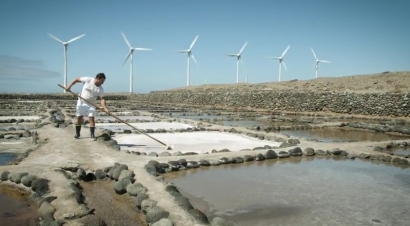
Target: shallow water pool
(313, 191)
(338, 135)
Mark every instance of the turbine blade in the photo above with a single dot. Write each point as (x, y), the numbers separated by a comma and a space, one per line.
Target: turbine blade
(243, 47)
(78, 37)
(143, 49)
(193, 43)
(324, 61)
(126, 40)
(58, 40)
(284, 52)
(284, 65)
(314, 54)
(232, 55)
(194, 59)
(182, 51)
(129, 54)
(314, 65)
(242, 62)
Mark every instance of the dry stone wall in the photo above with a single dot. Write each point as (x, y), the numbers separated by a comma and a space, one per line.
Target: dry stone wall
(377, 104)
(387, 104)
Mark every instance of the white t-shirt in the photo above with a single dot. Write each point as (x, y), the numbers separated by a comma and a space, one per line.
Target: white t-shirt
(90, 91)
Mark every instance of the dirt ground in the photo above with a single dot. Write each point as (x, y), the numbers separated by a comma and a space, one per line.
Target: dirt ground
(372, 83)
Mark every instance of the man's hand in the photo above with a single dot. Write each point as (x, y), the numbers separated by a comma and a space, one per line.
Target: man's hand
(103, 109)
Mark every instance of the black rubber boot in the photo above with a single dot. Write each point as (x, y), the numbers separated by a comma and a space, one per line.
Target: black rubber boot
(92, 129)
(77, 131)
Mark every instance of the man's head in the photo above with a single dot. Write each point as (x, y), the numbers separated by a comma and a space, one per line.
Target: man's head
(99, 79)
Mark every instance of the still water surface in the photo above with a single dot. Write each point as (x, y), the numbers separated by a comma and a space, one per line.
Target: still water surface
(314, 191)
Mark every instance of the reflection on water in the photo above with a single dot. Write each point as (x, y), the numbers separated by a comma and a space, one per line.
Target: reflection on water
(251, 123)
(15, 208)
(5, 158)
(337, 134)
(405, 151)
(312, 191)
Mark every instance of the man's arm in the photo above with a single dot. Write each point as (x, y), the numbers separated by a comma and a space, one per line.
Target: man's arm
(77, 80)
(103, 103)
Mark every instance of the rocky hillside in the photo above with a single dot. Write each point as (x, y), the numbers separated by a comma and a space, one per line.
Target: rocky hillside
(383, 94)
(375, 83)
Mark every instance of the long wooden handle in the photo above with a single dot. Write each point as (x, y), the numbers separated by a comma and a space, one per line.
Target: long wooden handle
(108, 113)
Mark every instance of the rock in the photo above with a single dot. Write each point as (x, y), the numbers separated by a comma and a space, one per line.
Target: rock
(126, 174)
(46, 210)
(117, 171)
(259, 157)
(248, 158)
(70, 166)
(219, 221)
(285, 145)
(81, 173)
(155, 214)
(320, 152)
(293, 141)
(283, 154)
(100, 174)
(364, 156)
(199, 216)
(140, 197)
(309, 151)
(183, 202)
(163, 222)
(204, 162)
(135, 189)
(271, 154)
(147, 205)
(297, 151)
(235, 160)
(16, 177)
(27, 180)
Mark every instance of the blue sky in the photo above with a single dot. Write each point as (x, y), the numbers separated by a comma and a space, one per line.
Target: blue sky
(358, 37)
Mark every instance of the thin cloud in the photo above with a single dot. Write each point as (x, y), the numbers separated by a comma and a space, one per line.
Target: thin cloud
(18, 68)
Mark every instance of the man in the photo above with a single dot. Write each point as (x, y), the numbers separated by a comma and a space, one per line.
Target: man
(92, 88)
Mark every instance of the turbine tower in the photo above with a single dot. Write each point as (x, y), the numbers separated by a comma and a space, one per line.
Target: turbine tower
(65, 44)
(317, 61)
(238, 57)
(189, 52)
(281, 61)
(131, 53)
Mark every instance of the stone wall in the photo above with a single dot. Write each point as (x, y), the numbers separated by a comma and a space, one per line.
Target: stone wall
(377, 104)
(386, 104)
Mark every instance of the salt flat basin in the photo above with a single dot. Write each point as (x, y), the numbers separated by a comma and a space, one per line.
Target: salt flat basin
(144, 125)
(199, 142)
(29, 101)
(19, 117)
(140, 117)
(6, 143)
(309, 193)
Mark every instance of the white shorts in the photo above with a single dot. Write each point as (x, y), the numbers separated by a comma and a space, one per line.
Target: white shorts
(85, 110)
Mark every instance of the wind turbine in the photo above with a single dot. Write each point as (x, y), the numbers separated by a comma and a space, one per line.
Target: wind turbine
(189, 52)
(238, 57)
(131, 53)
(317, 61)
(281, 61)
(65, 44)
